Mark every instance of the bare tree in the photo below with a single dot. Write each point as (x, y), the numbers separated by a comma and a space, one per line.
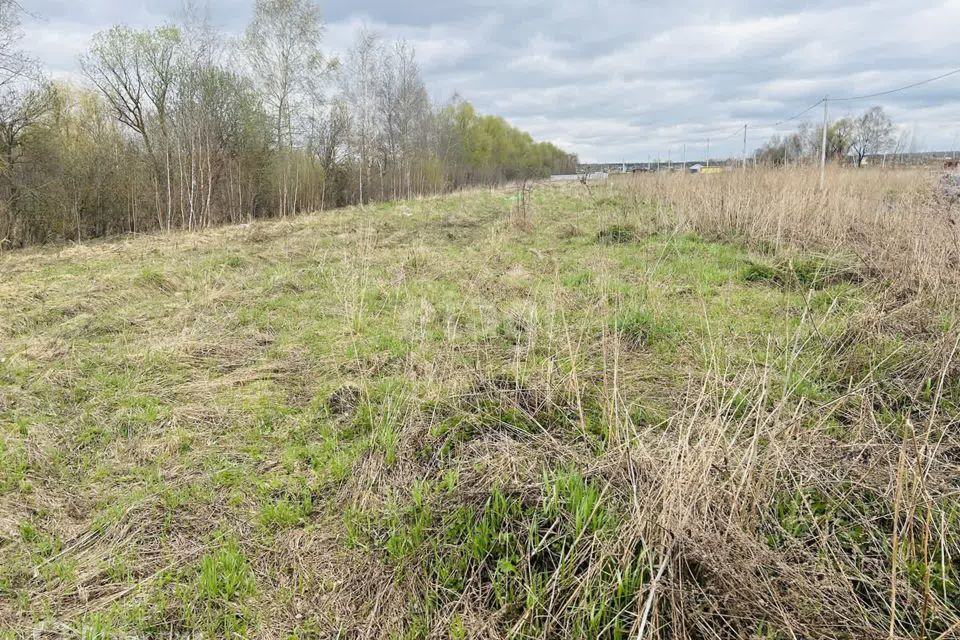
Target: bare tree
(901, 143)
(401, 103)
(24, 99)
(330, 129)
(24, 95)
(406, 108)
(17, 115)
(357, 81)
(21, 107)
(14, 63)
(282, 48)
(872, 133)
(136, 72)
(201, 43)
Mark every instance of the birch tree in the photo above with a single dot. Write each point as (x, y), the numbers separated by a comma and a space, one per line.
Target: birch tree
(282, 46)
(357, 82)
(402, 107)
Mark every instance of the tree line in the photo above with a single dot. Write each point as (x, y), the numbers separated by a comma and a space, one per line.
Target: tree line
(178, 128)
(849, 140)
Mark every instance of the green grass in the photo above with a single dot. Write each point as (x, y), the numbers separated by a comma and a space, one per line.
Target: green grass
(618, 234)
(420, 420)
(214, 601)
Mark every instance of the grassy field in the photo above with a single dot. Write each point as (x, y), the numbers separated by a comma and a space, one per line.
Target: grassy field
(673, 407)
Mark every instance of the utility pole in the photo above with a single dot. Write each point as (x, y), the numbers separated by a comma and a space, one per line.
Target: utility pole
(744, 156)
(684, 157)
(669, 159)
(708, 152)
(823, 145)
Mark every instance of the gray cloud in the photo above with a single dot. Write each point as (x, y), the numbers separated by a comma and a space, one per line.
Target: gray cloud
(622, 79)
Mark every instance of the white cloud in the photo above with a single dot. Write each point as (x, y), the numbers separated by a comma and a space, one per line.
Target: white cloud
(617, 79)
(57, 44)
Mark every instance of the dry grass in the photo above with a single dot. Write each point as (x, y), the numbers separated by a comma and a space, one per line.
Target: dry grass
(687, 407)
(895, 222)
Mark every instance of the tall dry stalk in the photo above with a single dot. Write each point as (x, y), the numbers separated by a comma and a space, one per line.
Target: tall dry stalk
(893, 222)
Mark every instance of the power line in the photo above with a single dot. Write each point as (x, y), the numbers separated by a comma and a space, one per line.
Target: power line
(739, 129)
(804, 112)
(864, 97)
(909, 86)
(735, 133)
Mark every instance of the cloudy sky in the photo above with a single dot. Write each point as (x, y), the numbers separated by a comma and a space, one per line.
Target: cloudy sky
(620, 80)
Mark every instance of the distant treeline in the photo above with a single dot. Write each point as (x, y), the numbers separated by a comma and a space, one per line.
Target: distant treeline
(177, 129)
(849, 140)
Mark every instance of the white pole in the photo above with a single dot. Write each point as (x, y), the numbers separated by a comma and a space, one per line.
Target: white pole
(823, 146)
(708, 152)
(744, 156)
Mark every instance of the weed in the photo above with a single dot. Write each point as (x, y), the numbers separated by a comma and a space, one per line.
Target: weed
(151, 278)
(281, 514)
(641, 328)
(215, 601)
(810, 273)
(618, 234)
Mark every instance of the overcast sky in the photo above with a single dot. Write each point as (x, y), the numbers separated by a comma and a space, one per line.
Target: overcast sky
(620, 80)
